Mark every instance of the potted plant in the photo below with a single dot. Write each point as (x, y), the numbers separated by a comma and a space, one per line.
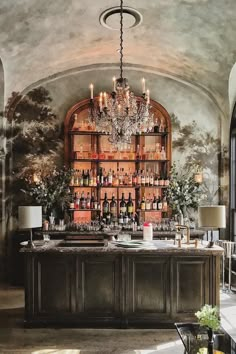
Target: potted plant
(183, 192)
(208, 317)
(51, 190)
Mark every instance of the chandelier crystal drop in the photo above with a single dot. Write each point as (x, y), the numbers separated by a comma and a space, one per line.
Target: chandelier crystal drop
(121, 114)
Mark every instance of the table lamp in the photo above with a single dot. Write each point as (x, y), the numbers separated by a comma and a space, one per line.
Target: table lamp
(212, 217)
(30, 217)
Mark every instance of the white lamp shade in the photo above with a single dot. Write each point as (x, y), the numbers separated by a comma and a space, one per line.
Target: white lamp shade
(212, 216)
(30, 216)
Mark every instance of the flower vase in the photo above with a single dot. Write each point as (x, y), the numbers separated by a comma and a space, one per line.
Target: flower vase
(210, 334)
(180, 218)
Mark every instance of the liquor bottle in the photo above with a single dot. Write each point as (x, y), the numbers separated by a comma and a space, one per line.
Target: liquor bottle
(166, 181)
(134, 179)
(161, 181)
(110, 177)
(72, 202)
(130, 206)
(163, 153)
(147, 179)
(94, 178)
(123, 204)
(154, 203)
(121, 177)
(157, 152)
(85, 179)
(138, 155)
(139, 178)
(151, 179)
(105, 206)
(143, 203)
(156, 180)
(156, 125)
(92, 202)
(88, 201)
(120, 219)
(90, 179)
(148, 202)
(143, 180)
(130, 178)
(132, 154)
(164, 204)
(82, 203)
(76, 178)
(162, 126)
(101, 177)
(113, 207)
(144, 153)
(115, 178)
(105, 179)
(72, 181)
(159, 203)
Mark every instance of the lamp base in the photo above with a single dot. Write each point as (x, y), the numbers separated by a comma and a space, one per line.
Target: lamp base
(30, 244)
(210, 244)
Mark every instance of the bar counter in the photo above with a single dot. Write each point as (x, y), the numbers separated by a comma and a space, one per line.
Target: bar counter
(150, 286)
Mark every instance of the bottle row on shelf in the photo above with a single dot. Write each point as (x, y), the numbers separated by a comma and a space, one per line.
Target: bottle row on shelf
(151, 152)
(103, 178)
(159, 125)
(151, 203)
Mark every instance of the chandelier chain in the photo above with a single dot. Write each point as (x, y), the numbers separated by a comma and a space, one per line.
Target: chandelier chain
(121, 39)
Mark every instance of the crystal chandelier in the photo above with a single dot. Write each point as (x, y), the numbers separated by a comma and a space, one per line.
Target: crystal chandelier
(121, 114)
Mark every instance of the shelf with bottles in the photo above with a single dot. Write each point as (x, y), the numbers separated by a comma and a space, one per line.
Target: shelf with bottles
(102, 178)
(146, 148)
(140, 167)
(75, 209)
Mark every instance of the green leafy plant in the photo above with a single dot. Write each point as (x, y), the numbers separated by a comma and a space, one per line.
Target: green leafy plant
(49, 189)
(209, 317)
(183, 191)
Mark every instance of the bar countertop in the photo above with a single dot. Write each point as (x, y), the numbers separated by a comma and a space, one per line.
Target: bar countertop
(150, 247)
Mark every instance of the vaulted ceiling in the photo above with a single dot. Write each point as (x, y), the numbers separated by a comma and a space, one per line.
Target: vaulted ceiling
(192, 40)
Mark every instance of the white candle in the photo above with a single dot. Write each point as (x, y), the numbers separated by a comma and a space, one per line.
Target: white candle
(100, 101)
(105, 99)
(114, 83)
(127, 98)
(91, 91)
(148, 96)
(143, 84)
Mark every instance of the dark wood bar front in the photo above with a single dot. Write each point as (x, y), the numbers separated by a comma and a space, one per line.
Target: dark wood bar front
(119, 287)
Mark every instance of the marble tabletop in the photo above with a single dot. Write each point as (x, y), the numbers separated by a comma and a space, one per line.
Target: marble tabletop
(134, 247)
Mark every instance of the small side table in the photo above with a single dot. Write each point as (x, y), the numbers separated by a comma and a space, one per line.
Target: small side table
(194, 337)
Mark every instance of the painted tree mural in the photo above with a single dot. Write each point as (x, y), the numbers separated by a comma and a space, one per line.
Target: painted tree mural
(193, 145)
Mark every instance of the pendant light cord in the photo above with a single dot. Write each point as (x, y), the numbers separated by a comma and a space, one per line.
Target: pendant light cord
(121, 39)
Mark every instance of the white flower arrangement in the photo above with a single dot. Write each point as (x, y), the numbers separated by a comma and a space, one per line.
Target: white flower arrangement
(183, 191)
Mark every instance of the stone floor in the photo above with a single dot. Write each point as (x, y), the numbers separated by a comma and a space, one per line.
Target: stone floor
(15, 339)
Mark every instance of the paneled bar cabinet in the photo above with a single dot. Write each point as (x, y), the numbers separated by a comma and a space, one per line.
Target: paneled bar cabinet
(98, 282)
(118, 287)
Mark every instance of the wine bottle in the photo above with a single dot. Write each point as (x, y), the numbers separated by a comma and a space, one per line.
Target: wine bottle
(82, 201)
(105, 206)
(154, 203)
(88, 201)
(123, 204)
(92, 202)
(113, 207)
(130, 206)
(143, 203)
